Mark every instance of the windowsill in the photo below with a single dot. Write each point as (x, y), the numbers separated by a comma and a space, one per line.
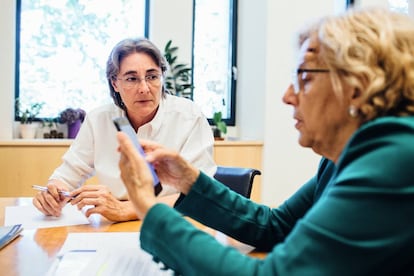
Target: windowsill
(67, 142)
(36, 142)
(238, 143)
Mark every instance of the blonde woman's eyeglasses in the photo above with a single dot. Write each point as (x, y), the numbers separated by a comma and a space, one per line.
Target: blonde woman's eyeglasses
(296, 77)
(130, 82)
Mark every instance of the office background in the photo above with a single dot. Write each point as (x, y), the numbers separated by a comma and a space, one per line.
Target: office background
(266, 54)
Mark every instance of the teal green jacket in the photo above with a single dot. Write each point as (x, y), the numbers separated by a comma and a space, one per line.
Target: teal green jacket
(352, 218)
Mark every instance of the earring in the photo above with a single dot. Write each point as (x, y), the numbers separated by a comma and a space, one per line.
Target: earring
(352, 111)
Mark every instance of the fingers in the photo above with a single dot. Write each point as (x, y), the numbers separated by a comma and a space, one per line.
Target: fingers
(102, 209)
(55, 187)
(93, 203)
(136, 176)
(170, 166)
(101, 201)
(50, 202)
(133, 167)
(98, 199)
(126, 147)
(163, 155)
(149, 146)
(123, 141)
(47, 204)
(95, 195)
(53, 190)
(88, 191)
(114, 210)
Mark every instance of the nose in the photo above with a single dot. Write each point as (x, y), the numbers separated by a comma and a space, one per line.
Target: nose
(289, 97)
(142, 86)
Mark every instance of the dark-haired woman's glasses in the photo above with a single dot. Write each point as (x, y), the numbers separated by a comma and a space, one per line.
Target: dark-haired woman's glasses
(130, 82)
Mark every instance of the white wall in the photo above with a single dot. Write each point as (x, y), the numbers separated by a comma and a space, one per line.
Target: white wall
(7, 50)
(177, 25)
(251, 62)
(286, 165)
(366, 3)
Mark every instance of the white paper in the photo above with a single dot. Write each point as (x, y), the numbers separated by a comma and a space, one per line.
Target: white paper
(109, 253)
(31, 218)
(100, 240)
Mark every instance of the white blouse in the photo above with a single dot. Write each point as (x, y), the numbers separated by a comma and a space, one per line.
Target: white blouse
(179, 125)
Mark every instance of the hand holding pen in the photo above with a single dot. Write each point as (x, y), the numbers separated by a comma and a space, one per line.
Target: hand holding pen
(52, 198)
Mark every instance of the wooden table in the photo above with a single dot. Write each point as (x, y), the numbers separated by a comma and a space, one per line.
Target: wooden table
(34, 251)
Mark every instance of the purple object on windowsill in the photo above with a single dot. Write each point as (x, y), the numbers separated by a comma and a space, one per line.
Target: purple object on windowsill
(73, 129)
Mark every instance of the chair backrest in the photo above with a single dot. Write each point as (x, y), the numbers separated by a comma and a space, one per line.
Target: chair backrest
(238, 179)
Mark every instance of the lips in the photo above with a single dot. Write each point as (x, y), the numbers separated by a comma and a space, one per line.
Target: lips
(298, 123)
(143, 101)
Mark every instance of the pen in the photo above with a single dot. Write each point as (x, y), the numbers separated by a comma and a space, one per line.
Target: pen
(44, 189)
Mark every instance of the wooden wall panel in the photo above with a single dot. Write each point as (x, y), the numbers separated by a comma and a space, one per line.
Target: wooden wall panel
(27, 162)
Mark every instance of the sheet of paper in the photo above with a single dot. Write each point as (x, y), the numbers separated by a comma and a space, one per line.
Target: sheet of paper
(109, 253)
(31, 218)
(100, 240)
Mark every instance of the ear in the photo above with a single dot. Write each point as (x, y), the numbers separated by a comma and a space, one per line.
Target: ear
(356, 94)
(355, 97)
(115, 86)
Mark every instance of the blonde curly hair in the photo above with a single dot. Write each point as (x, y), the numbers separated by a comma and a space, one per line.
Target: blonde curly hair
(372, 50)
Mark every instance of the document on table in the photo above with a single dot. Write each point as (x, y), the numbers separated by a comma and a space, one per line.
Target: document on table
(109, 253)
(31, 218)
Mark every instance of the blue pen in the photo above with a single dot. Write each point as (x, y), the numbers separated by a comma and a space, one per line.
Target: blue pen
(44, 189)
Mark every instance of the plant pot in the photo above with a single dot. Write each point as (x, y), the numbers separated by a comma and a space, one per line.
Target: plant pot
(28, 131)
(217, 134)
(73, 129)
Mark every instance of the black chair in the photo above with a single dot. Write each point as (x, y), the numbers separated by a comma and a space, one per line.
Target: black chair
(238, 179)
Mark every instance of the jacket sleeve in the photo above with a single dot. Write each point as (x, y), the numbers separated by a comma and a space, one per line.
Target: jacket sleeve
(216, 206)
(247, 221)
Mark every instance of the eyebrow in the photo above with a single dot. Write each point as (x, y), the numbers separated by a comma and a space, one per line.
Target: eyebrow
(133, 72)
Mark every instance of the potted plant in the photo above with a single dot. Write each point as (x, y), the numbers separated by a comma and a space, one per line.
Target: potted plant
(219, 126)
(73, 118)
(52, 128)
(27, 114)
(178, 79)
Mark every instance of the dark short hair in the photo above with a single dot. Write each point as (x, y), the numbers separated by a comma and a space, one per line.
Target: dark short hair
(125, 48)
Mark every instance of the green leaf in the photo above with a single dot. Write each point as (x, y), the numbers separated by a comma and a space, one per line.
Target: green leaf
(219, 123)
(178, 78)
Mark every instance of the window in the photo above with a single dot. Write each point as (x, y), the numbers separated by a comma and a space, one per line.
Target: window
(395, 5)
(399, 5)
(214, 57)
(62, 48)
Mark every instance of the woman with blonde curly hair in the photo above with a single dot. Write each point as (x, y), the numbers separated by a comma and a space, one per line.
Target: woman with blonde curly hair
(353, 101)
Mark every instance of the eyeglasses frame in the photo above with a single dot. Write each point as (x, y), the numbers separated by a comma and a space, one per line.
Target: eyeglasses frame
(297, 72)
(134, 84)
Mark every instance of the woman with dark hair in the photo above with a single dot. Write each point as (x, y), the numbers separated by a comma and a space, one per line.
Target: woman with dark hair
(135, 71)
